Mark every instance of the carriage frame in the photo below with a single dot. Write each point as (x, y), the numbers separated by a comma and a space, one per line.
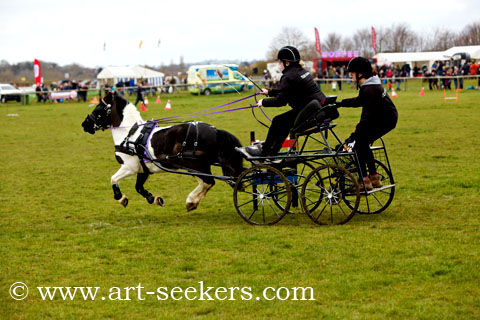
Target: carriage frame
(321, 182)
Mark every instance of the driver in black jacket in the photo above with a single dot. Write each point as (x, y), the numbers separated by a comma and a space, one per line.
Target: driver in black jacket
(296, 89)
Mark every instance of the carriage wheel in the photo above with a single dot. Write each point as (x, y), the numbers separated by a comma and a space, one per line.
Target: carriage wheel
(297, 179)
(325, 192)
(254, 194)
(377, 200)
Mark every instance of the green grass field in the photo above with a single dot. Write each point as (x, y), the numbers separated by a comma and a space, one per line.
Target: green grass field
(60, 226)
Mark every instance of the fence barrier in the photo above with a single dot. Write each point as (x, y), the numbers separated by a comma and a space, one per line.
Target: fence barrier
(150, 91)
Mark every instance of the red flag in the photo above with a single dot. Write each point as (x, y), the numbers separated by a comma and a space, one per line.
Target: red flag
(374, 40)
(317, 41)
(37, 72)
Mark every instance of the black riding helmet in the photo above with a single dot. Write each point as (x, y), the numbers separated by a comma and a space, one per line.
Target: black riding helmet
(288, 53)
(360, 65)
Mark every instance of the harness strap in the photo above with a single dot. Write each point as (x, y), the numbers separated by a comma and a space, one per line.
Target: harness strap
(141, 143)
(195, 142)
(137, 147)
(125, 149)
(125, 146)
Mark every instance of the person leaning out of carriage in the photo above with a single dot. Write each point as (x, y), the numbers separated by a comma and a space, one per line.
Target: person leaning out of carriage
(296, 89)
(378, 117)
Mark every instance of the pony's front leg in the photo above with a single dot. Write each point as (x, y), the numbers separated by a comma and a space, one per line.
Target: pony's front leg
(141, 179)
(122, 173)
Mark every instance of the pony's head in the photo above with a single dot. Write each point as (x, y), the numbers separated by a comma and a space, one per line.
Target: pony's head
(108, 113)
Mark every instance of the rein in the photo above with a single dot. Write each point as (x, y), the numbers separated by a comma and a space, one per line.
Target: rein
(206, 112)
(255, 116)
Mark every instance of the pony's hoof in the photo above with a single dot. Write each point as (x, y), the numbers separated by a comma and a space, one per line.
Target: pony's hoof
(123, 201)
(159, 201)
(191, 206)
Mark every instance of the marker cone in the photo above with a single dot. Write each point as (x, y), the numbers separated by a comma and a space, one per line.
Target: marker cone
(168, 106)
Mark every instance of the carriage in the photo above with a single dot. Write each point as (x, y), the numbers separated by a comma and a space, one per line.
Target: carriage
(322, 182)
(313, 176)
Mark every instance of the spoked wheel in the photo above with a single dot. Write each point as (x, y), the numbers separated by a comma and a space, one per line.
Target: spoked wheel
(262, 195)
(325, 193)
(297, 177)
(378, 199)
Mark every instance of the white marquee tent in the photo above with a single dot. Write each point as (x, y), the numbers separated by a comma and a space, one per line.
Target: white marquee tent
(427, 58)
(410, 57)
(117, 74)
(473, 51)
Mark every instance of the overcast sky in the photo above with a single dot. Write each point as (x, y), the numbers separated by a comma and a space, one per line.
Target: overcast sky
(99, 33)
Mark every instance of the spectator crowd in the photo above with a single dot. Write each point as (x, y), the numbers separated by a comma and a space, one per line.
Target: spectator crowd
(441, 75)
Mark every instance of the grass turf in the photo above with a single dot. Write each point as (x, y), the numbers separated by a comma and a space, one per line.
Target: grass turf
(60, 226)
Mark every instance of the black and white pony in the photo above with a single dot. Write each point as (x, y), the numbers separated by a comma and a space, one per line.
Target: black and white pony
(193, 146)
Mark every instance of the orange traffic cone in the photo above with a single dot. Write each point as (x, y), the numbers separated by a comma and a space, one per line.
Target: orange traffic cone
(158, 100)
(143, 109)
(95, 100)
(394, 94)
(422, 92)
(168, 106)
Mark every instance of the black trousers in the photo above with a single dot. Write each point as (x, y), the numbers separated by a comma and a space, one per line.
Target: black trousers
(364, 153)
(139, 98)
(278, 132)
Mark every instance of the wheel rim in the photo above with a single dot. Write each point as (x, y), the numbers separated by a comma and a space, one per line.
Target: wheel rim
(296, 179)
(254, 194)
(324, 193)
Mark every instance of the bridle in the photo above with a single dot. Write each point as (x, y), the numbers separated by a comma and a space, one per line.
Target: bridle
(95, 116)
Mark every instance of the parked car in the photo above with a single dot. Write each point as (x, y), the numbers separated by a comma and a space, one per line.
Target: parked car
(212, 78)
(9, 92)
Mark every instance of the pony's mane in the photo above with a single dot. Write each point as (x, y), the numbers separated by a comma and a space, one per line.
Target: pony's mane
(131, 115)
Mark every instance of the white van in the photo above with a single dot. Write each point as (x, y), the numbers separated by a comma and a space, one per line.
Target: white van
(216, 78)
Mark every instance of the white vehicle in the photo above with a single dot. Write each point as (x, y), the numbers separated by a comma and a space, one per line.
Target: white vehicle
(213, 78)
(9, 92)
(276, 72)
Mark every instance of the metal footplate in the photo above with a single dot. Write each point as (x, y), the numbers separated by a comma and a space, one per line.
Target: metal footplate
(248, 157)
(379, 189)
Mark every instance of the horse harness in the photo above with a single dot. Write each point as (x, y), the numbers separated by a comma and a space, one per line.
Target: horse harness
(140, 145)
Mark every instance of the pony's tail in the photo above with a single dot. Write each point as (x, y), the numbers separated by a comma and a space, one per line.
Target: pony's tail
(225, 138)
(231, 160)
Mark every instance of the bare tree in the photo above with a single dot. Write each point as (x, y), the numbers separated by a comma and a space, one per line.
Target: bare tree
(348, 44)
(333, 42)
(439, 40)
(399, 38)
(382, 39)
(290, 37)
(362, 42)
(309, 52)
(469, 36)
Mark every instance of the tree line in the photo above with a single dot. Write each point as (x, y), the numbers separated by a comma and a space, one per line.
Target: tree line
(396, 38)
(50, 72)
(399, 37)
